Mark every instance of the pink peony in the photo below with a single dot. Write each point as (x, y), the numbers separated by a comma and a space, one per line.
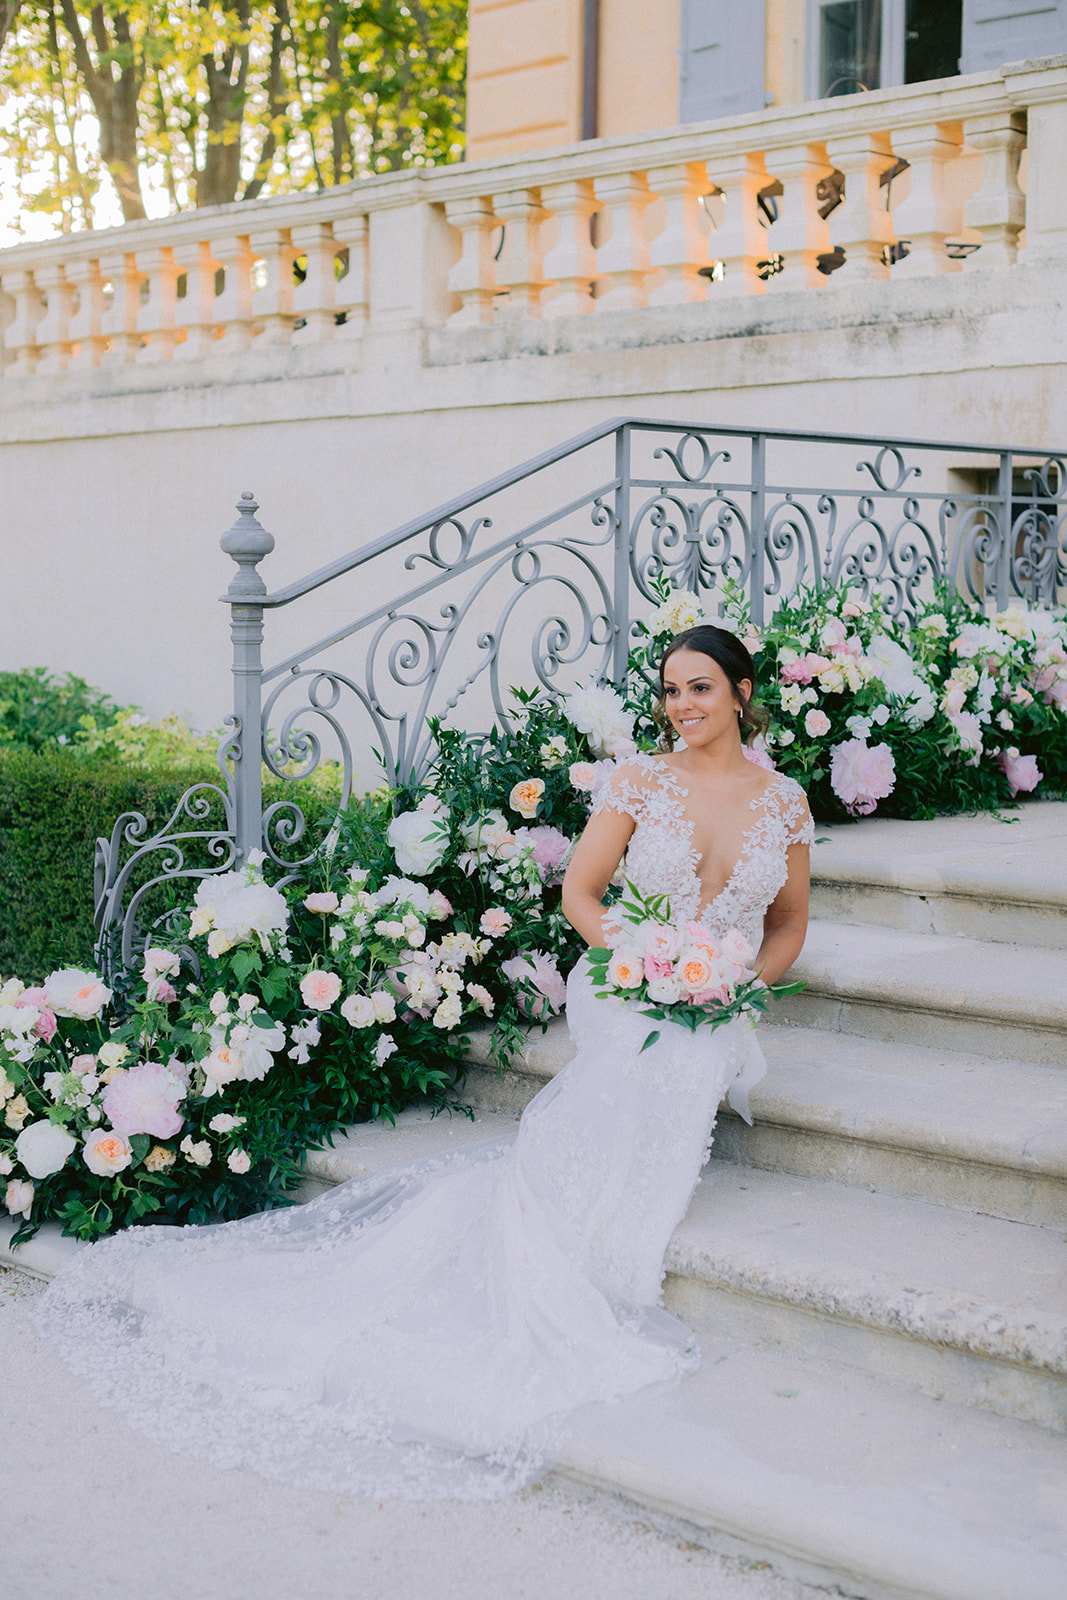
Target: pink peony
(440, 906)
(662, 943)
(320, 989)
(541, 970)
(759, 758)
(1022, 772)
(549, 847)
(816, 723)
(861, 775)
(144, 1100)
(796, 672)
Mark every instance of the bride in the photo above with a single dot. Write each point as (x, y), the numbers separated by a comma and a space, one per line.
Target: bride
(430, 1330)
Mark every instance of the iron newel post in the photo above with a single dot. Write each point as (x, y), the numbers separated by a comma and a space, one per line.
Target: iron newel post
(247, 542)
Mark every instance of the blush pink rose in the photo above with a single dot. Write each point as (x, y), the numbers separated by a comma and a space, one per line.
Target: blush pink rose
(655, 968)
(495, 922)
(320, 990)
(861, 775)
(144, 1100)
(45, 1026)
(321, 905)
(162, 991)
(1022, 772)
(662, 943)
(816, 723)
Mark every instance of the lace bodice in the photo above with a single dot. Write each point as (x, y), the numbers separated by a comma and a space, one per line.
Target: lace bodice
(660, 858)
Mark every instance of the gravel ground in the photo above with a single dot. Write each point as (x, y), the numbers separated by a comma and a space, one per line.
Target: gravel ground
(95, 1511)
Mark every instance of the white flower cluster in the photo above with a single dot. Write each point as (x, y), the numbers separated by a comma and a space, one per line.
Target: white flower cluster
(238, 908)
(600, 713)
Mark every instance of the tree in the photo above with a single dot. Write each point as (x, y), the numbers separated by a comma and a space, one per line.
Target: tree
(210, 101)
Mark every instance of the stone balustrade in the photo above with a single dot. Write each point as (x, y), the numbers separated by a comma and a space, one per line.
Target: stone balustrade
(964, 175)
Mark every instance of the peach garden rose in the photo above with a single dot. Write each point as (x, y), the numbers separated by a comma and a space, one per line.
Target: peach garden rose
(525, 797)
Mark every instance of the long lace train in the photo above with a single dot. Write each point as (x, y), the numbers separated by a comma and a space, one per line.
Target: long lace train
(428, 1331)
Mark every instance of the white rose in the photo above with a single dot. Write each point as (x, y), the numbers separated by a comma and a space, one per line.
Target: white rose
(105, 1152)
(44, 1148)
(239, 1161)
(358, 1011)
(19, 1197)
(160, 963)
(198, 1151)
(664, 991)
(419, 841)
(7, 1166)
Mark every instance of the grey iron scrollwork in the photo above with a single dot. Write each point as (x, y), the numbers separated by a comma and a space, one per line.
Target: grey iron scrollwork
(522, 582)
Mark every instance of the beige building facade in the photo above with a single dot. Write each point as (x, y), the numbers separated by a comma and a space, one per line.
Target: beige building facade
(549, 72)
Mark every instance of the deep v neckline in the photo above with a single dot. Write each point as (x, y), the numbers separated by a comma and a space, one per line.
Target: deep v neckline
(695, 857)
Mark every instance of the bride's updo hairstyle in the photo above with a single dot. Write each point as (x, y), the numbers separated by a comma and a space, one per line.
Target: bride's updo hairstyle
(727, 651)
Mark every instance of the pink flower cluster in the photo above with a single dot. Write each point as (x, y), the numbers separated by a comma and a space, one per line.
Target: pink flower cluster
(539, 969)
(861, 775)
(686, 966)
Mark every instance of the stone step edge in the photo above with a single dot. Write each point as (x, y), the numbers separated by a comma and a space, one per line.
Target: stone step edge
(547, 1054)
(990, 887)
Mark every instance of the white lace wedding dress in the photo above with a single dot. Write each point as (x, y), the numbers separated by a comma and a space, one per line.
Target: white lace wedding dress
(428, 1332)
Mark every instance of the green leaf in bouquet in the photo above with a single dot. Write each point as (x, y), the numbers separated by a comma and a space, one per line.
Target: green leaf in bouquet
(140, 1144)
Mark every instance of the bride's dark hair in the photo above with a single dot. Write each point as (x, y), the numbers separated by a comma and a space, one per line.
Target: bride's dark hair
(727, 651)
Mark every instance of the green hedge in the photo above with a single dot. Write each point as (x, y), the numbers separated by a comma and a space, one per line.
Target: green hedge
(53, 808)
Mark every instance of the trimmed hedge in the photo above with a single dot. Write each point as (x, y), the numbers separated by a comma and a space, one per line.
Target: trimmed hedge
(53, 808)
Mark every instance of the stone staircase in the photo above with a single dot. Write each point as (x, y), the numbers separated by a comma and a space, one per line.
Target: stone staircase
(878, 1268)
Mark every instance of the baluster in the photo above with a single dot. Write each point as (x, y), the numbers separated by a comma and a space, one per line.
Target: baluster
(681, 249)
(158, 323)
(20, 337)
(800, 235)
(272, 304)
(571, 263)
(196, 309)
(352, 289)
(53, 331)
(233, 307)
(121, 318)
(86, 324)
(520, 270)
(931, 213)
(315, 300)
(998, 210)
(861, 225)
(740, 242)
(473, 276)
(623, 259)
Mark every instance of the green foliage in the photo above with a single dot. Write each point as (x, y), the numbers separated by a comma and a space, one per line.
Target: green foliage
(41, 712)
(214, 104)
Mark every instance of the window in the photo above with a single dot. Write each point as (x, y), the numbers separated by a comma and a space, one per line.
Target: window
(855, 45)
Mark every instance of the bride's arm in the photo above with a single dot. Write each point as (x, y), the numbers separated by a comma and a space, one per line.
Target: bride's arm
(786, 920)
(592, 867)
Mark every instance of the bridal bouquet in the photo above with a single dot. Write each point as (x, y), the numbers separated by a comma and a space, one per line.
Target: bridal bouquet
(679, 974)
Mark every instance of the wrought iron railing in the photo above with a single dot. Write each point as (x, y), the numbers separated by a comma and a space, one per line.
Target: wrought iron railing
(536, 578)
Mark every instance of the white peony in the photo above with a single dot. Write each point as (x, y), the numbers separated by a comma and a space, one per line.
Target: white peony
(238, 910)
(892, 665)
(44, 1147)
(599, 712)
(74, 993)
(419, 840)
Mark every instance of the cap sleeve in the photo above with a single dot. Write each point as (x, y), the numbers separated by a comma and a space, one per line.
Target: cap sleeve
(620, 787)
(799, 827)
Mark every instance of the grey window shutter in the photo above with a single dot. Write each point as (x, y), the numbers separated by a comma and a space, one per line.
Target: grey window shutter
(996, 31)
(721, 61)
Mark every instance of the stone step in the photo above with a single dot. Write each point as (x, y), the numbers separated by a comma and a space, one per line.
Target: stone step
(1001, 879)
(929, 989)
(834, 1476)
(974, 1132)
(977, 1132)
(960, 1306)
(839, 1479)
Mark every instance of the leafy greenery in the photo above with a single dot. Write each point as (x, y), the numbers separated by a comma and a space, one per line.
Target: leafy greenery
(210, 104)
